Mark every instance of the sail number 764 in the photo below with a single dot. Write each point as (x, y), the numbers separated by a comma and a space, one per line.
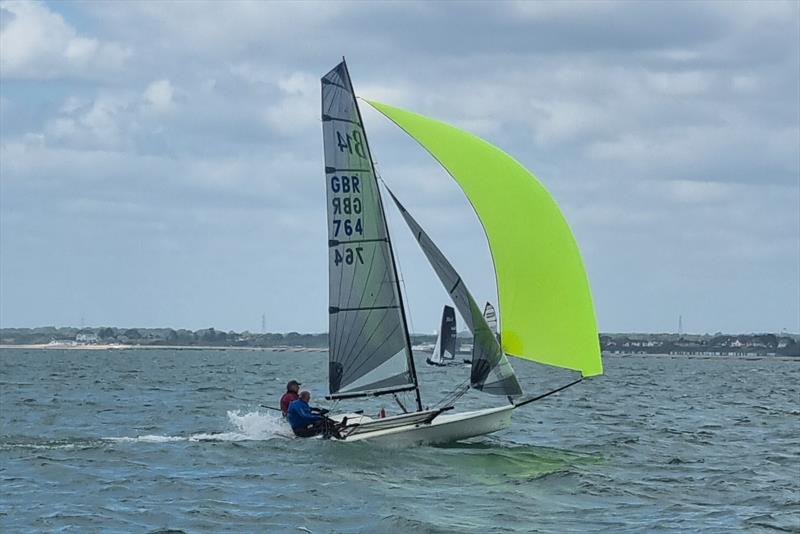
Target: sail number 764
(348, 227)
(348, 255)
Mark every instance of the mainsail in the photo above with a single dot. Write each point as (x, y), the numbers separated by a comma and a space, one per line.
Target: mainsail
(543, 291)
(491, 371)
(445, 348)
(368, 338)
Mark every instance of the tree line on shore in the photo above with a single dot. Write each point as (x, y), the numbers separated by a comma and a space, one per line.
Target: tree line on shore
(711, 344)
(159, 336)
(765, 344)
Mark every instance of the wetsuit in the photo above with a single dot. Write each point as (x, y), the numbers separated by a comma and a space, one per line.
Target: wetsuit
(306, 424)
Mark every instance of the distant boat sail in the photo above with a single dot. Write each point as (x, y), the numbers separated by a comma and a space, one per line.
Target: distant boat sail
(445, 348)
(491, 317)
(544, 296)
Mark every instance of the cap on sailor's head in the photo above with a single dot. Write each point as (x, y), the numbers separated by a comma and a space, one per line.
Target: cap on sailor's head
(293, 383)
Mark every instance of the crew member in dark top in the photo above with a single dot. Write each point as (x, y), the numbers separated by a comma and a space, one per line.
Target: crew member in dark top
(291, 395)
(305, 423)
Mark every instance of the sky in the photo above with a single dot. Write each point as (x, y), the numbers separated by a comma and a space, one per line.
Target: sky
(161, 163)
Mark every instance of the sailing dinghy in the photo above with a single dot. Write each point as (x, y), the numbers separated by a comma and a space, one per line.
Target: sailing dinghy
(444, 352)
(544, 297)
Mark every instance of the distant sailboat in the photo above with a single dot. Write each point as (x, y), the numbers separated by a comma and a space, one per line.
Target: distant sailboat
(444, 351)
(491, 317)
(544, 295)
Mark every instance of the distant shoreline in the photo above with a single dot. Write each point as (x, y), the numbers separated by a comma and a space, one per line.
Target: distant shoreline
(113, 338)
(742, 357)
(99, 346)
(48, 346)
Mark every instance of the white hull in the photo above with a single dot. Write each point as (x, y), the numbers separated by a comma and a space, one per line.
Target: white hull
(445, 428)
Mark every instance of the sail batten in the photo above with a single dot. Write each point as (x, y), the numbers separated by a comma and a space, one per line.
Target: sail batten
(369, 348)
(544, 297)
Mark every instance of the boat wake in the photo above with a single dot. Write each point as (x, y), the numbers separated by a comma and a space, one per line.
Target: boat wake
(248, 426)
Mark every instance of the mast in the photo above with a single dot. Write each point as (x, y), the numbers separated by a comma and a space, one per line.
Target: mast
(409, 352)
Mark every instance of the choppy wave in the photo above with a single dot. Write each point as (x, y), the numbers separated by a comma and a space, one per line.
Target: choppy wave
(249, 426)
(39, 444)
(656, 444)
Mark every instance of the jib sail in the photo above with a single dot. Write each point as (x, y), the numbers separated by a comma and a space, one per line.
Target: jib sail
(491, 371)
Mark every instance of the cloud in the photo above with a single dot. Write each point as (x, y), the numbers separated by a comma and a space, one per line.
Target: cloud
(36, 43)
(296, 109)
(667, 132)
(159, 94)
(100, 123)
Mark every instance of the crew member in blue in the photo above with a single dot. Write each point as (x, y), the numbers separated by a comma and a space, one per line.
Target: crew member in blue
(305, 423)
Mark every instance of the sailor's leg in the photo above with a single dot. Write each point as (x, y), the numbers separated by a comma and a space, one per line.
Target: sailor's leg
(307, 431)
(331, 428)
(327, 427)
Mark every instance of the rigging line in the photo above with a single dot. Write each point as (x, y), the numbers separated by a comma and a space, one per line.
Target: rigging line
(449, 394)
(455, 394)
(405, 317)
(409, 352)
(540, 397)
(425, 242)
(399, 267)
(397, 400)
(460, 394)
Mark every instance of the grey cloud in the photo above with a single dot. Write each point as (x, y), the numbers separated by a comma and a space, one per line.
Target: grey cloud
(6, 18)
(39, 44)
(667, 131)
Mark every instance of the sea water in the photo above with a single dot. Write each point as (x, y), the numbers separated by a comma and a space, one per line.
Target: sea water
(155, 440)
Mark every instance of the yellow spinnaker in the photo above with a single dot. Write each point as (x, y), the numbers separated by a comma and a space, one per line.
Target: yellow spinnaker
(546, 311)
